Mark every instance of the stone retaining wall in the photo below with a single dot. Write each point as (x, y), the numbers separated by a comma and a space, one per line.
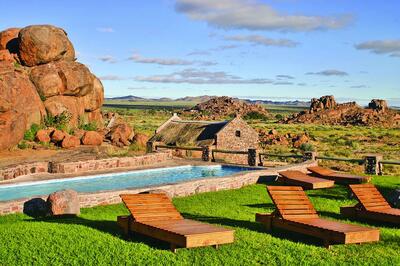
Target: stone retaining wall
(24, 169)
(84, 166)
(174, 190)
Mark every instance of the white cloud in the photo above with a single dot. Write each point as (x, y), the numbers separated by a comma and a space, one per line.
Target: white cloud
(254, 15)
(261, 40)
(105, 29)
(196, 76)
(391, 47)
(159, 61)
(329, 72)
(359, 86)
(169, 61)
(108, 59)
(111, 77)
(284, 77)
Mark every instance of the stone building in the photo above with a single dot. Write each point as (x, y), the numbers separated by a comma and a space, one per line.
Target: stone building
(233, 134)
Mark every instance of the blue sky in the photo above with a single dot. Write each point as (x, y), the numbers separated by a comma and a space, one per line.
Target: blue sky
(268, 49)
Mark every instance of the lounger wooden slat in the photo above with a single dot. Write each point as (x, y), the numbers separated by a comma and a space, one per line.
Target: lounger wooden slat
(303, 218)
(297, 178)
(339, 178)
(372, 205)
(154, 215)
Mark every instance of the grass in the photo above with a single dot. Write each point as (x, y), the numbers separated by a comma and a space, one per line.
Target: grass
(94, 238)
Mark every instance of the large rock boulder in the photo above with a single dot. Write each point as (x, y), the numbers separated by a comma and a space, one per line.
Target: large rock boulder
(20, 106)
(64, 202)
(140, 139)
(120, 134)
(58, 105)
(41, 44)
(92, 138)
(70, 142)
(95, 98)
(9, 40)
(63, 78)
(47, 80)
(5, 55)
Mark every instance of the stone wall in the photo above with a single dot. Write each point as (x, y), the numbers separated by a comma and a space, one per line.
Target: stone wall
(237, 135)
(174, 190)
(84, 166)
(23, 169)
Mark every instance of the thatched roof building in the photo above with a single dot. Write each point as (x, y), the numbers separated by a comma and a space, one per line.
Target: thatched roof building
(178, 132)
(235, 133)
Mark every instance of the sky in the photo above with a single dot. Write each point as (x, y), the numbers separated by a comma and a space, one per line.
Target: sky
(277, 49)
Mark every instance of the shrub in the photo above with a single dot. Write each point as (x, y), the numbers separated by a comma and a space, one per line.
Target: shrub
(23, 145)
(279, 117)
(306, 147)
(255, 115)
(30, 134)
(92, 126)
(59, 121)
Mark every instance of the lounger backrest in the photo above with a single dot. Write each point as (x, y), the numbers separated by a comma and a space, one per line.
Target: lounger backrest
(291, 202)
(150, 207)
(369, 197)
(321, 171)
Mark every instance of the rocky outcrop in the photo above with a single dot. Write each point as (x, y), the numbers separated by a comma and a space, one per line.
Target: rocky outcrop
(39, 77)
(120, 134)
(326, 111)
(221, 107)
(323, 103)
(20, 105)
(378, 105)
(64, 202)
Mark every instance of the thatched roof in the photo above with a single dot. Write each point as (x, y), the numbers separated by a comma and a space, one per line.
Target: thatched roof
(188, 133)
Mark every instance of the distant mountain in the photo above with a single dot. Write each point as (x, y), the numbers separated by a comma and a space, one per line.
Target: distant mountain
(127, 98)
(204, 98)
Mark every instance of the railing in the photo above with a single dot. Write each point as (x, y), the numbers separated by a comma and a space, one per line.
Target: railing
(373, 163)
(351, 160)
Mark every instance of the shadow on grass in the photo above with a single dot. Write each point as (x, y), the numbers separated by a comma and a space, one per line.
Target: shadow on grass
(257, 227)
(261, 205)
(109, 227)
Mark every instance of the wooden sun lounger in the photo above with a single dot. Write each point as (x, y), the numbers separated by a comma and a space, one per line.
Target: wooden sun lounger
(339, 178)
(154, 215)
(372, 205)
(294, 212)
(297, 178)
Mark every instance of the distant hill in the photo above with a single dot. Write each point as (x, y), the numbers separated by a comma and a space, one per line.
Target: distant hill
(204, 98)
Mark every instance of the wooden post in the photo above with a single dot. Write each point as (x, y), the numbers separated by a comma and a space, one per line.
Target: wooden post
(260, 163)
(309, 155)
(205, 155)
(252, 157)
(372, 164)
(149, 147)
(212, 156)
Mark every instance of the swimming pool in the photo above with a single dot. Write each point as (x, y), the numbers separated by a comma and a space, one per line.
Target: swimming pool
(119, 181)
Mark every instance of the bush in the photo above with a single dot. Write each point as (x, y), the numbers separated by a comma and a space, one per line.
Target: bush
(279, 117)
(92, 126)
(23, 145)
(255, 115)
(30, 134)
(59, 121)
(307, 147)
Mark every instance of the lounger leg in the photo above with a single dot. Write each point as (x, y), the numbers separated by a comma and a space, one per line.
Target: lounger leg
(327, 244)
(173, 248)
(216, 246)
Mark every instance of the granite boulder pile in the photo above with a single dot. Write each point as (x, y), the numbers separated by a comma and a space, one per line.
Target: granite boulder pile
(327, 111)
(39, 77)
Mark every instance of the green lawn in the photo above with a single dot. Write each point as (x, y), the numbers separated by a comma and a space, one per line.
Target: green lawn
(94, 238)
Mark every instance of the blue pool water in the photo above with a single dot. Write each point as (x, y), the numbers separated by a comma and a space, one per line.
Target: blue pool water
(118, 181)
